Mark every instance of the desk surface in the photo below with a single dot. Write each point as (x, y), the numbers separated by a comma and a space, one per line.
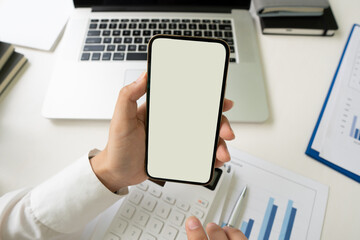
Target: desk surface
(298, 72)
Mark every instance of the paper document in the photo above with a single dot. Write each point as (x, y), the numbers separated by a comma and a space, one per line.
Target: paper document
(278, 204)
(336, 138)
(35, 24)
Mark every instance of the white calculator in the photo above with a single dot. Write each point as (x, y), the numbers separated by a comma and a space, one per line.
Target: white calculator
(151, 211)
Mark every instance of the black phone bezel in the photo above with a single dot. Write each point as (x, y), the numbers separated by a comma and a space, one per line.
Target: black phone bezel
(223, 88)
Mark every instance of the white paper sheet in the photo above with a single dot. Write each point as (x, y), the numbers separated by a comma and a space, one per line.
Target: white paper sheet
(35, 23)
(287, 190)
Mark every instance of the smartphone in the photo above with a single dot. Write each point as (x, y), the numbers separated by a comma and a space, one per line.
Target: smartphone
(185, 94)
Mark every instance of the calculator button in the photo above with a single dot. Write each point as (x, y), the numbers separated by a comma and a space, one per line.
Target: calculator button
(141, 218)
(202, 202)
(149, 203)
(169, 233)
(134, 233)
(143, 186)
(147, 236)
(127, 211)
(182, 236)
(119, 226)
(135, 197)
(163, 211)
(177, 218)
(155, 226)
(183, 206)
(155, 192)
(110, 236)
(197, 212)
(169, 199)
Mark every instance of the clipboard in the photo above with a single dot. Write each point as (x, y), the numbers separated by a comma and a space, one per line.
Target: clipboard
(314, 153)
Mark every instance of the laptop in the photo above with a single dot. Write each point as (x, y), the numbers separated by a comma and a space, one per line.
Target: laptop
(104, 48)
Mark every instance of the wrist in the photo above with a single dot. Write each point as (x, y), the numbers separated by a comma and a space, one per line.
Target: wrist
(103, 172)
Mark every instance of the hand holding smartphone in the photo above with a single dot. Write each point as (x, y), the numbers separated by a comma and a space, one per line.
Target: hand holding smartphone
(185, 94)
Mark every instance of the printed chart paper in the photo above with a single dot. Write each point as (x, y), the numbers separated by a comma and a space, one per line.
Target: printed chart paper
(278, 204)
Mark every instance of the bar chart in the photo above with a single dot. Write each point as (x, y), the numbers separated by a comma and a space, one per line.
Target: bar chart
(246, 227)
(355, 131)
(276, 206)
(288, 221)
(268, 221)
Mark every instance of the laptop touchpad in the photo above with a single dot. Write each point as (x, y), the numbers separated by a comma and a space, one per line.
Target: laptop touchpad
(130, 76)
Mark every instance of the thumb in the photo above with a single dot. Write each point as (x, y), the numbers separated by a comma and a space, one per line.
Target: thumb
(126, 106)
(138, 87)
(194, 229)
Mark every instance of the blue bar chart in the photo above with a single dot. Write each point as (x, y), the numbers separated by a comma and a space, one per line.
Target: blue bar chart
(246, 227)
(288, 221)
(268, 221)
(354, 131)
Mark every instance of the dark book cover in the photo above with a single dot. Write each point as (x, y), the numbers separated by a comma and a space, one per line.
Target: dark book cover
(6, 50)
(282, 8)
(10, 69)
(324, 25)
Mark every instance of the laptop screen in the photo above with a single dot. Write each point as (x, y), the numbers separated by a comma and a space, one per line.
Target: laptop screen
(237, 4)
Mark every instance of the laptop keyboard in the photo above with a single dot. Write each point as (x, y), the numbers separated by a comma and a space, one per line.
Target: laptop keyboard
(127, 39)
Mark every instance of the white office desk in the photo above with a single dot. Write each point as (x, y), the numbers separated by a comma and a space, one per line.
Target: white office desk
(298, 72)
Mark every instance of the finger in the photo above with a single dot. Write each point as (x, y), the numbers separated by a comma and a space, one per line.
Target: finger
(222, 153)
(138, 87)
(226, 131)
(126, 106)
(142, 112)
(194, 229)
(215, 232)
(228, 104)
(233, 233)
(218, 163)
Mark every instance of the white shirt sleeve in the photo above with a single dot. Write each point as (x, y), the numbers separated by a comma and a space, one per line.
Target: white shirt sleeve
(59, 208)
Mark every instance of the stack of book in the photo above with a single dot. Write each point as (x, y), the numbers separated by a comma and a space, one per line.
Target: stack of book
(296, 17)
(10, 64)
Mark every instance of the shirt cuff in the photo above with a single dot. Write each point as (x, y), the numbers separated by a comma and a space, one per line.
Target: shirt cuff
(72, 198)
(121, 191)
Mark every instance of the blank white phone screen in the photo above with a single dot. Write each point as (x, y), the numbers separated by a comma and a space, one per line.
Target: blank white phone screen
(186, 79)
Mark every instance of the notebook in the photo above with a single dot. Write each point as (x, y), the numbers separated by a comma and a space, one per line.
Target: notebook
(287, 8)
(6, 50)
(12, 66)
(104, 47)
(324, 25)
